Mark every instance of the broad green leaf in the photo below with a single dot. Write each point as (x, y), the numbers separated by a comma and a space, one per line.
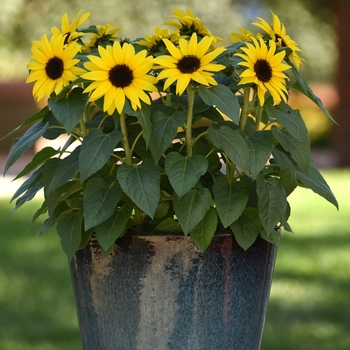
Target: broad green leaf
(60, 194)
(290, 119)
(39, 158)
(111, 229)
(96, 149)
(69, 227)
(191, 208)
(164, 131)
(222, 98)
(144, 118)
(52, 219)
(272, 201)
(70, 109)
(288, 177)
(233, 144)
(299, 151)
(230, 199)
(272, 237)
(301, 86)
(142, 184)
(184, 172)
(315, 181)
(169, 225)
(100, 198)
(22, 145)
(260, 147)
(204, 232)
(66, 169)
(246, 228)
(35, 117)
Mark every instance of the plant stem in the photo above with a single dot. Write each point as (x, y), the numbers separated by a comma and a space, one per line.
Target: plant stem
(258, 118)
(244, 113)
(127, 150)
(190, 91)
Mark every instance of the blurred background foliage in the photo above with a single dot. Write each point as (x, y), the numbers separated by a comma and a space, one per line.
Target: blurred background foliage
(309, 23)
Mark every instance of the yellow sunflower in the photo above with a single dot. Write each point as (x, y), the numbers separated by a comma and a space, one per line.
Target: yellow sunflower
(119, 73)
(105, 33)
(190, 61)
(155, 40)
(53, 65)
(70, 30)
(245, 35)
(265, 69)
(279, 36)
(189, 24)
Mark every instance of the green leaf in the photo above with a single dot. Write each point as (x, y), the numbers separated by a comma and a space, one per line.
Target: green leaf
(31, 181)
(260, 146)
(246, 228)
(70, 109)
(35, 117)
(96, 149)
(204, 232)
(108, 231)
(184, 172)
(69, 227)
(288, 177)
(60, 194)
(291, 120)
(315, 181)
(230, 199)
(272, 201)
(272, 237)
(164, 131)
(100, 198)
(28, 195)
(301, 86)
(233, 144)
(39, 158)
(66, 169)
(144, 118)
(299, 151)
(191, 208)
(222, 98)
(142, 184)
(169, 225)
(22, 145)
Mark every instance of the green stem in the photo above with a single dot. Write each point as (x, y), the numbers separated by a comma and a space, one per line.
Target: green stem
(244, 113)
(189, 145)
(127, 150)
(258, 119)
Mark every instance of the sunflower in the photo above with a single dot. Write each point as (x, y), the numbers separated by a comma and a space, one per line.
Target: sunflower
(119, 73)
(190, 61)
(155, 42)
(265, 69)
(106, 34)
(245, 35)
(189, 24)
(279, 35)
(53, 65)
(70, 30)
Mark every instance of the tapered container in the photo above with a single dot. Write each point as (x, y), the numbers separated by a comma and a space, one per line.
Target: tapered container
(158, 292)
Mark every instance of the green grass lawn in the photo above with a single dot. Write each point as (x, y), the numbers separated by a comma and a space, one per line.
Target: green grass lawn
(310, 298)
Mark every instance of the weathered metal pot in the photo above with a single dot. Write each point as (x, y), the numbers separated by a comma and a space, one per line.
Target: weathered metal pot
(158, 292)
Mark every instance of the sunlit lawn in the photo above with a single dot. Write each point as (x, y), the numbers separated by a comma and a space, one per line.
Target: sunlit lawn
(310, 298)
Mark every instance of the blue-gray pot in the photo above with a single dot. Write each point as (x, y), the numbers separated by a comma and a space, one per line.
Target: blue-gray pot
(159, 292)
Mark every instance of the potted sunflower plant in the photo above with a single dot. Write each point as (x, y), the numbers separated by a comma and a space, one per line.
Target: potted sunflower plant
(170, 191)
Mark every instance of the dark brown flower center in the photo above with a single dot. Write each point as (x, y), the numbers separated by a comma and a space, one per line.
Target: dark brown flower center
(263, 70)
(188, 64)
(280, 40)
(54, 68)
(121, 76)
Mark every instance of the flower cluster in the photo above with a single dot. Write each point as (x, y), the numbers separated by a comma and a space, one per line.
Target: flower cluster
(173, 133)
